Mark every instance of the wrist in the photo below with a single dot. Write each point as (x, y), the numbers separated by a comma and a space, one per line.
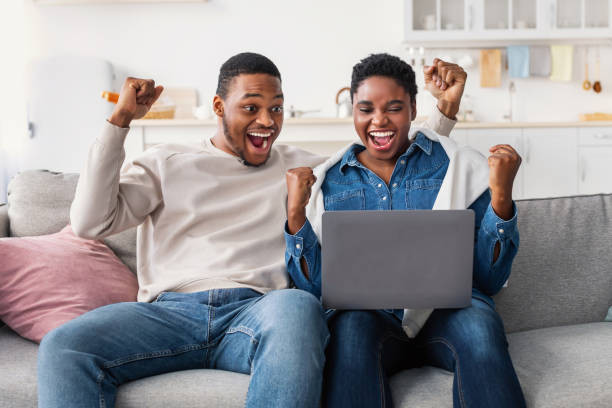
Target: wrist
(502, 204)
(448, 109)
(296, 218)
(121, 119)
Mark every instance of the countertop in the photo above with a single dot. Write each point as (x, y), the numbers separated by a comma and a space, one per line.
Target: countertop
(345, 121)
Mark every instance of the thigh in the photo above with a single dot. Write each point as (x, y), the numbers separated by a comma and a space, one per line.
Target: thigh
(287, 319)
(475, 332)
(134, 340)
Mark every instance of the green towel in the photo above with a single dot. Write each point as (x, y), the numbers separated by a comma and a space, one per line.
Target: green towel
(609, 316)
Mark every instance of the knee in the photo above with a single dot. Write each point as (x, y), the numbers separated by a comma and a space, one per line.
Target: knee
(482, 337)
(294, 313)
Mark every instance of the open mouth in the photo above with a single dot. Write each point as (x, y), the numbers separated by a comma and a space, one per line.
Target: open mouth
(260, 139)
(381, 139)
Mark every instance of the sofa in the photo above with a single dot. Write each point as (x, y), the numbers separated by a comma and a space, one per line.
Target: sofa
(553, 310)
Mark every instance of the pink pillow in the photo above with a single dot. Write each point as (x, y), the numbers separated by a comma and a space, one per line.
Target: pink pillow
(48, 280)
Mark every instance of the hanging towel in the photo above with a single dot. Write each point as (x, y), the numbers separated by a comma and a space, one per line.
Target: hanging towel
(490, 68)
(518, 61)
(539, 61)
(562, 61)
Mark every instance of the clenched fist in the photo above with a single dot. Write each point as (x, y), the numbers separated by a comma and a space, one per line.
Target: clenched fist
(135, 100)
(299, 184)
(446, 82)
(504, 163)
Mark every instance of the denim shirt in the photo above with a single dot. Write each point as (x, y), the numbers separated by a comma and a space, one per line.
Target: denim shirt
(414, 184)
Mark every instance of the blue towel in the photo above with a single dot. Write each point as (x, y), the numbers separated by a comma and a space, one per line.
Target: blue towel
(518, 61)
(609, 316)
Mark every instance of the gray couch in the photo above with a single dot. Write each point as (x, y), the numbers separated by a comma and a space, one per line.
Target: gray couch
(558, 295)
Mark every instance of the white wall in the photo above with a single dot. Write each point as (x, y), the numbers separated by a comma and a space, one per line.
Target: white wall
(12, 98)
(314, 43)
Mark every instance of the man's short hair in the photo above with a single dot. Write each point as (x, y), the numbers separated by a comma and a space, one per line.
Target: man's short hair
(244, 63)
(384, 65)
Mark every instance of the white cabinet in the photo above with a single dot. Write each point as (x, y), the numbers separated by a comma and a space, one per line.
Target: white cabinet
(460, 23)
(549, 162)
(483, 139)
(595, 161)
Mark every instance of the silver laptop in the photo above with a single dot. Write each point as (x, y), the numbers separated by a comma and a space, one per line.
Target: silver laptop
(397, 259)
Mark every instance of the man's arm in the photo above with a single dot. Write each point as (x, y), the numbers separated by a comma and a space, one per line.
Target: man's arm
(103, 205)
(446, 82)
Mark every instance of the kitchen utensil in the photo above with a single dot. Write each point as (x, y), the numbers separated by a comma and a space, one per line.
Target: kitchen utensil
(344, 107)
(597, 84)
(586, 84)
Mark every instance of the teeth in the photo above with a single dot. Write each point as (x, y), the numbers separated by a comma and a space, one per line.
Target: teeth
(265, 143)
(381, 134)
(260, 134)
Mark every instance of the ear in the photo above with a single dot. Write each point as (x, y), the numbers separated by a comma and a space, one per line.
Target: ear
(413, 110)
(218, 106)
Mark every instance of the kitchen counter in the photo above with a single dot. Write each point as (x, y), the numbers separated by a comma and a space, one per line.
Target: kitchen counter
(344, 121)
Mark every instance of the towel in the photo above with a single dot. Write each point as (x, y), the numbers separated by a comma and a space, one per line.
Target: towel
(539, 61)
(518, 61)
(467, 177)
(490, 68)
(562, 61)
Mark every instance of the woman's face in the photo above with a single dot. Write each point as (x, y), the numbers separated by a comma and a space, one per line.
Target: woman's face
(382, 112)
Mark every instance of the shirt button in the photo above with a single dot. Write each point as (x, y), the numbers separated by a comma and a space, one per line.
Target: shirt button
(403, 162)
(297, 246)
(379, 185)
(501, 230)
(384, 198)
(394, 184)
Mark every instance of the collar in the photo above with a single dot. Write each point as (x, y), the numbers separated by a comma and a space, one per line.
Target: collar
(420, 140)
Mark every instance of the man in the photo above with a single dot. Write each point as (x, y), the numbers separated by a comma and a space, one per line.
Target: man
(213, 284)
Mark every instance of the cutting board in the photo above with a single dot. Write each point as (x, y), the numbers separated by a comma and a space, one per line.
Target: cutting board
(595, 116)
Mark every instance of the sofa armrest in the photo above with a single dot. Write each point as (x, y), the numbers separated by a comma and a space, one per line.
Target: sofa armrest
(4, 221)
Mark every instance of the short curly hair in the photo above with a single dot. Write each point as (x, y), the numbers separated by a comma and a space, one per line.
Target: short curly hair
(385, 65)
(244, 63)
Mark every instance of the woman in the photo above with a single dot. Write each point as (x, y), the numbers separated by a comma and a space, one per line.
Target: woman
(397, 167)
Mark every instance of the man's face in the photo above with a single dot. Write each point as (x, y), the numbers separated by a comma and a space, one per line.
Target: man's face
(382, 112)
(252, 117)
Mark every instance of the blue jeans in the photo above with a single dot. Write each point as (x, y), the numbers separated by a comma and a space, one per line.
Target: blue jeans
(279, 338)
(368, 346)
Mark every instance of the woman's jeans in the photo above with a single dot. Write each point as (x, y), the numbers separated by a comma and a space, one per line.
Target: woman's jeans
(279, 338)
(367, 347)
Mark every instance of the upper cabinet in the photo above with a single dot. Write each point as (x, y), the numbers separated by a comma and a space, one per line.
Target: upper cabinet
(459, 23)
(71, 2)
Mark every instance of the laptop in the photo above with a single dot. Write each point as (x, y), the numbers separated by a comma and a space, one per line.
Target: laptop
(397, 259)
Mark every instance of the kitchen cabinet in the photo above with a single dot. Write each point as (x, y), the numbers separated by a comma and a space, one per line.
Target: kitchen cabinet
(550, 162)
(595, 161)
(483, 139)
(65, 2)
(476, 23)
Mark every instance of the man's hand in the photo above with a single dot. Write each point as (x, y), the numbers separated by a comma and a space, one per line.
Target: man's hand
(504, 163)
(446, 83)
(135, 100)
(299, 183)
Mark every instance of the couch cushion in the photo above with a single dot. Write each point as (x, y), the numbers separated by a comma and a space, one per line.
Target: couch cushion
(558, 367)
(562, 274)
(39, 204)
(48, 280)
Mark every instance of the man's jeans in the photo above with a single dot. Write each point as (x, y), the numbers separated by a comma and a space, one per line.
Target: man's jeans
(279, 338)
(368, 346)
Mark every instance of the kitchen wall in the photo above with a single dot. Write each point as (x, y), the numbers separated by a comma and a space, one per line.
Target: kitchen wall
(314, 43)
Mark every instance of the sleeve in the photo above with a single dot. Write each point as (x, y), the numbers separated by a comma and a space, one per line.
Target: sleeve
(304, 244)
(108, 201)
(490, 276)
(439, 123)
